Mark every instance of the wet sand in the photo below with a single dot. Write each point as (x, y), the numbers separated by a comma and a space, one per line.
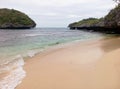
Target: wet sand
(86, 65)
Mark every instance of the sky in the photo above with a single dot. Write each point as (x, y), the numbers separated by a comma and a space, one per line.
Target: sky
(59, 13)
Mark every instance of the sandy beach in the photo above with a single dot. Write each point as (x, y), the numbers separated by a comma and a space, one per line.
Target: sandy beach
(82, 65)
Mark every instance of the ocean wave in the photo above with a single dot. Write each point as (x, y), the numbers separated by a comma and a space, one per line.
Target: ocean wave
(31, 53)
(15, 73)
(32, 35)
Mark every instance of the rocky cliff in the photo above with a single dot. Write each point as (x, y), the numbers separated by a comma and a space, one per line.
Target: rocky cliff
(13, 19)
(90, 22)
(112, 20)
(110, 23)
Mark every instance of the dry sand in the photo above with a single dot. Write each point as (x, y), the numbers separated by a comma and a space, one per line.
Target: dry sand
(87, 65)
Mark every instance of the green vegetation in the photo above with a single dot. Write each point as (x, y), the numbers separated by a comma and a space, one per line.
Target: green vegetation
(13, 18)
(86, 22)
(111, 20)
(117, 1)
(113, 17)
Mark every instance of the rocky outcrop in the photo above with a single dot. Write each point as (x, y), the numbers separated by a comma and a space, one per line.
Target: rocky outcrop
(110, 23)
(112, 20)
(13, 19)
(90, 22)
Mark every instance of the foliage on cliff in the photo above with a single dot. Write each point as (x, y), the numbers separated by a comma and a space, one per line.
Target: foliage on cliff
(113, 17)
(117, 1)
(111, 20)
(86, 22)
(10, 18)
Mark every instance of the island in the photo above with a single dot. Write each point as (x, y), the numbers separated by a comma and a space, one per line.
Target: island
(14, 19)
(109, 23)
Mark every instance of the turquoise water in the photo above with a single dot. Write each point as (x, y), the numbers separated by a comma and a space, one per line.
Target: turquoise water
(26, 42)
(17, 44)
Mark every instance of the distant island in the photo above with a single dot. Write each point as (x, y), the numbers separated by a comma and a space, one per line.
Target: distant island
(110, 23)
(13, 19)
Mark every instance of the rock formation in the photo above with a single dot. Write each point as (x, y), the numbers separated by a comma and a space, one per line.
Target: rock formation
(112, 20)
(110, 23)
(13, 19)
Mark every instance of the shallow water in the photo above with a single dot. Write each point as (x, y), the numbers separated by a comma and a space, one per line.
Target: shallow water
(17, 44)
(26, 42)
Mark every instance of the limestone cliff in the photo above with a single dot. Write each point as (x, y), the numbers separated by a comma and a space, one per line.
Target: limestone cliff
(109, 23)
(112, 20)
(13, 19)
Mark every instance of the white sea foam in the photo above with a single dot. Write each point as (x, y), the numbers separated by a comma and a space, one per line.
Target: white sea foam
(31, 35)
(31, 53)
(15, 73)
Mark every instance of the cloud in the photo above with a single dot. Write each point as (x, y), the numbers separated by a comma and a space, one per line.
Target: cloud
(60, 12)
(48, 14)
(73, 16)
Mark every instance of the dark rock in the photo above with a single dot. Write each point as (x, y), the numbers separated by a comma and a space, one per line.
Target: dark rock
(88, 23)
(112, 20)
(110, 23)
(13, 19)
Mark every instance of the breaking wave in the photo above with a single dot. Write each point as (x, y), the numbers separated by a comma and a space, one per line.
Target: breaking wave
(11, 74)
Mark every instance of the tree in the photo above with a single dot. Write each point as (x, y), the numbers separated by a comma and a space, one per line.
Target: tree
(117, 1)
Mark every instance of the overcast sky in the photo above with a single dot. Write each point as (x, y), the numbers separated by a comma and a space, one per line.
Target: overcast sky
(59, 13)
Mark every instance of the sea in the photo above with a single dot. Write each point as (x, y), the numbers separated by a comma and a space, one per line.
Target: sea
(16, 45)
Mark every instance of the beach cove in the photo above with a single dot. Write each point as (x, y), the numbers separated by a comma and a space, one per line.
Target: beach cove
(60, 44)
(82, 65)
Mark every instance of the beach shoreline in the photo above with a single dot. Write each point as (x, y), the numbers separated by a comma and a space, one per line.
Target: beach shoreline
(74, 66)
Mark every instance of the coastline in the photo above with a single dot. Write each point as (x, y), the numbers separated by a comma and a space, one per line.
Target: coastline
(78, 65)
